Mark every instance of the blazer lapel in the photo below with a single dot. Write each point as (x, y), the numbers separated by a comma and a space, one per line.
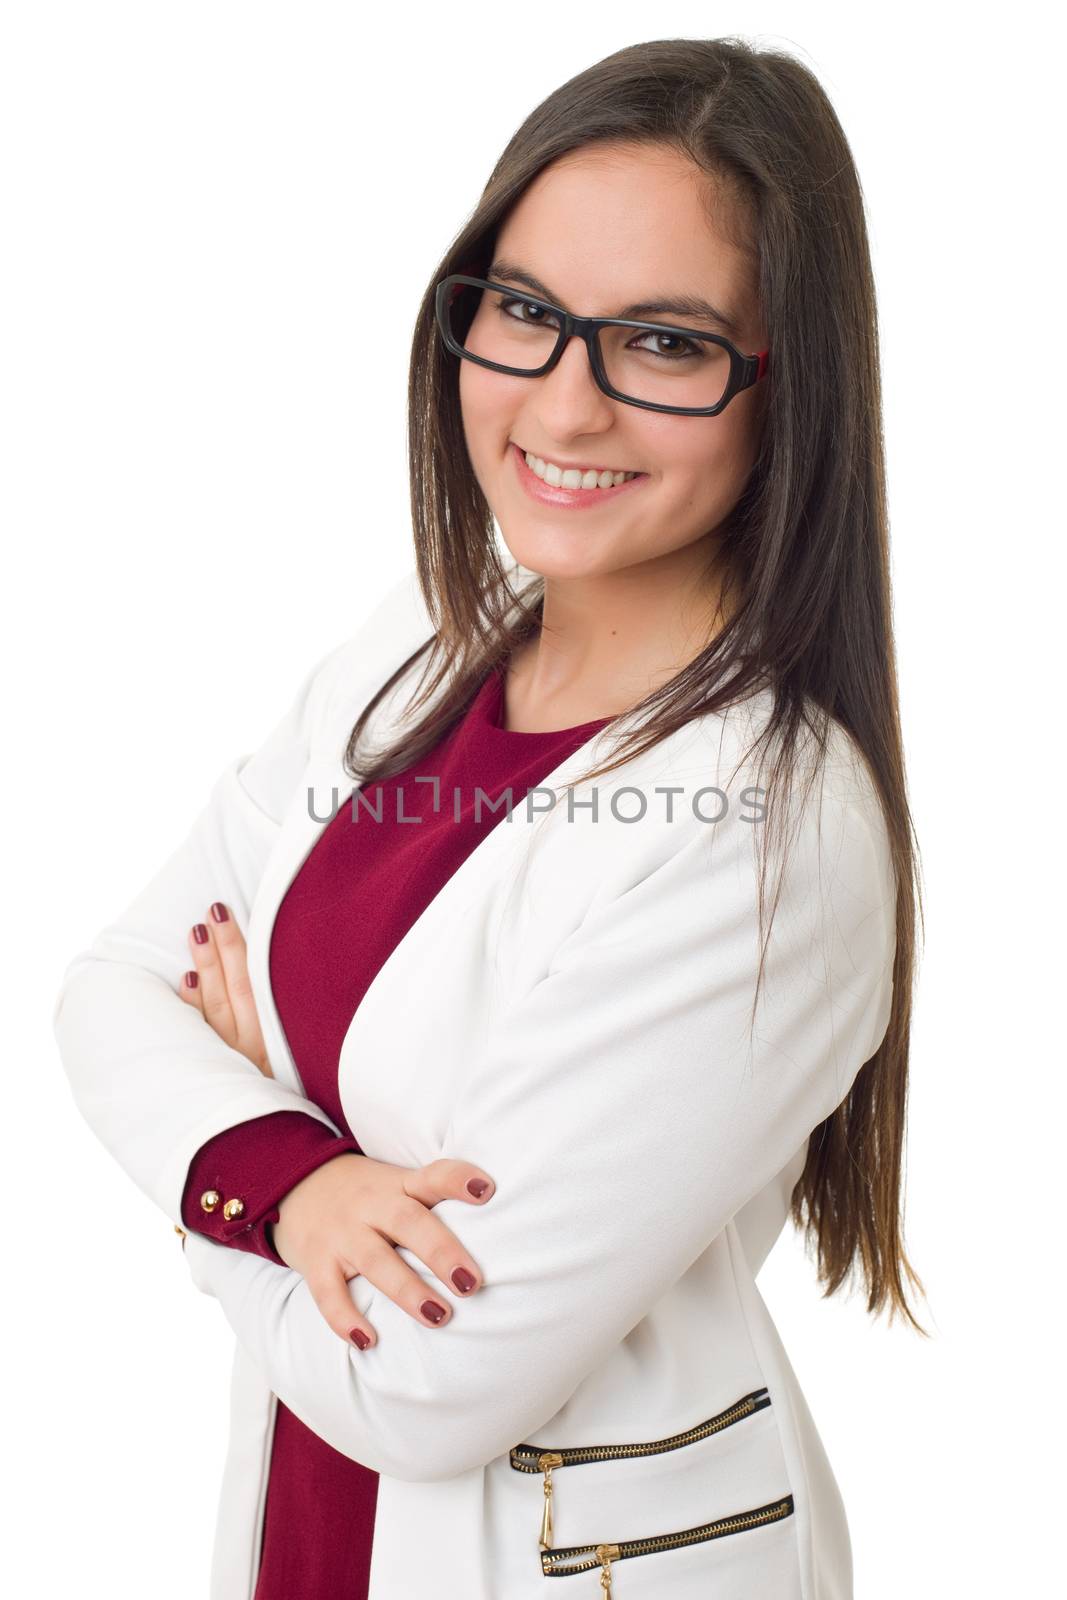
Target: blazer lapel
(324, 788)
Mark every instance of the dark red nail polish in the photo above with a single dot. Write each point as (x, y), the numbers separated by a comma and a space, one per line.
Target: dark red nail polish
(191, 980)
(200, 933)
(432, 1311)
(219, 912)
(477, 1187)
(358, 1337)
(463, 1280)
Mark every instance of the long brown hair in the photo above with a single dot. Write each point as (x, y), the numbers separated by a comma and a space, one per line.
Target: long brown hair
(804, 552)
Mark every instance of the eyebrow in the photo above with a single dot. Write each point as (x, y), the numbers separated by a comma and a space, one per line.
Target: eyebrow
(679, 305)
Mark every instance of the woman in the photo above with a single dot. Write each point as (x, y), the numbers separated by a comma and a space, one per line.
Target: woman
(599, 1023)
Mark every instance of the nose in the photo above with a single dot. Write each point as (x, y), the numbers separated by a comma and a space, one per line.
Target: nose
(569, 399)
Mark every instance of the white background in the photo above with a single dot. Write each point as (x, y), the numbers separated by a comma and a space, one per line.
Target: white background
(204, 488)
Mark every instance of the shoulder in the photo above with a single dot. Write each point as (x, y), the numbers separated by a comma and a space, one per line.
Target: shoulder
(814, 874)
(822, 823)
(685, 832)
(828, 850)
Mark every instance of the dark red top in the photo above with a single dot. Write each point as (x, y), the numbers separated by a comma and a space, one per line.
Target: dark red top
(353, 899)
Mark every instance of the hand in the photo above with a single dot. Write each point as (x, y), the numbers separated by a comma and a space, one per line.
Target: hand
(349, 1215)
(220, 988)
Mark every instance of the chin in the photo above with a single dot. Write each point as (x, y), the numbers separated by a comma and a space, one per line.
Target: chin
(562, 554)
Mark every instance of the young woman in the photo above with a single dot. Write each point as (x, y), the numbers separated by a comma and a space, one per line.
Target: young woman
(578, 898)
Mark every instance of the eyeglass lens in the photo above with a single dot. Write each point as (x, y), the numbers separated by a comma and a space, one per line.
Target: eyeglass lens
(664, 368)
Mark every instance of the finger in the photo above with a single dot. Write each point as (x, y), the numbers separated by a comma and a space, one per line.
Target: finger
(448, 1179)
(416, 1229)
(233, 955)
(330, 1293)
(189, 990)
(214, 999)
(378, 1262)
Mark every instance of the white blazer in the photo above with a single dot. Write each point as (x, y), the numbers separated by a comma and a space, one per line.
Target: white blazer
(571, 1013)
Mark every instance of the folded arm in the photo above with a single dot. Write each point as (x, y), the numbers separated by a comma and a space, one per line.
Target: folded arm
(626, 1115)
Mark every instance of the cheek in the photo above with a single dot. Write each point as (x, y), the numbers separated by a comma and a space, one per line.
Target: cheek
(474, 406)
(702, 459)
(488, 402)
(720, 458)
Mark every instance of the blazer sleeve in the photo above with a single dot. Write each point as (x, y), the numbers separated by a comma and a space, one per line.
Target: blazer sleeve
(258, 1161)
(150, 1076)
(626, 1113)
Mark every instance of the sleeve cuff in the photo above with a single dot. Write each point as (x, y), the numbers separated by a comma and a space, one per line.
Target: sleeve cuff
(247, 1171)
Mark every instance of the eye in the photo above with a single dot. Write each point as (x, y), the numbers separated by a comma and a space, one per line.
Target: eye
(540, 318)
(684, 347)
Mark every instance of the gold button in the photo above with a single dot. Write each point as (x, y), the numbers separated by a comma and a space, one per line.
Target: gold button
(209, 1200)
(233, 1208)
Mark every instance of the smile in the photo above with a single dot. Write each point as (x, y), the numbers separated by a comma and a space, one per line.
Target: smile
(576, 477)
(570, 486)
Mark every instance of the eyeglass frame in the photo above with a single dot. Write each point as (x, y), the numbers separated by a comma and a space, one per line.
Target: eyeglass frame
(744, 370)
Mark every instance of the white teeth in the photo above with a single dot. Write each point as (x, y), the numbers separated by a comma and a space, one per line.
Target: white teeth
(573, 478)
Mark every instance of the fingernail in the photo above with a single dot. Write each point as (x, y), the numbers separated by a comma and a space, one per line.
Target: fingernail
(219, 912)
(432, 1311)
(358, 1337)
(463, 1280)
(200, 933)
(477, 1187)
(191, 980)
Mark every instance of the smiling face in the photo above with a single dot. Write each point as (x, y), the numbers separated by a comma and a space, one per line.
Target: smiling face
(603, 229)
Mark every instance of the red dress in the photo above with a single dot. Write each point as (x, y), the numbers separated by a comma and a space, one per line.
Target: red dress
(355, 896)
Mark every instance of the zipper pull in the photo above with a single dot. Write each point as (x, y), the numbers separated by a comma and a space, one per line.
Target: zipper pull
(606, 1554)
(546, 1461)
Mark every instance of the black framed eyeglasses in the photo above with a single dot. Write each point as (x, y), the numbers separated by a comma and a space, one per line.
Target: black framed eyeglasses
(510, 331)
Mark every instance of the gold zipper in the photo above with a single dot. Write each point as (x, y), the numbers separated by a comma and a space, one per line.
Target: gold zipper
(536, 1458)
(587, 1557)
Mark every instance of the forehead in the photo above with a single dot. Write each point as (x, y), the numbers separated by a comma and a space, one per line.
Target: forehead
(610, 224)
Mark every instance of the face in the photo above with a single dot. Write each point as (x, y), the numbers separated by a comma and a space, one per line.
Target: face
(603, 229)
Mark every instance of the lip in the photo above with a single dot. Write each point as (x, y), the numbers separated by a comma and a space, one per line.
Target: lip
(567, 499)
